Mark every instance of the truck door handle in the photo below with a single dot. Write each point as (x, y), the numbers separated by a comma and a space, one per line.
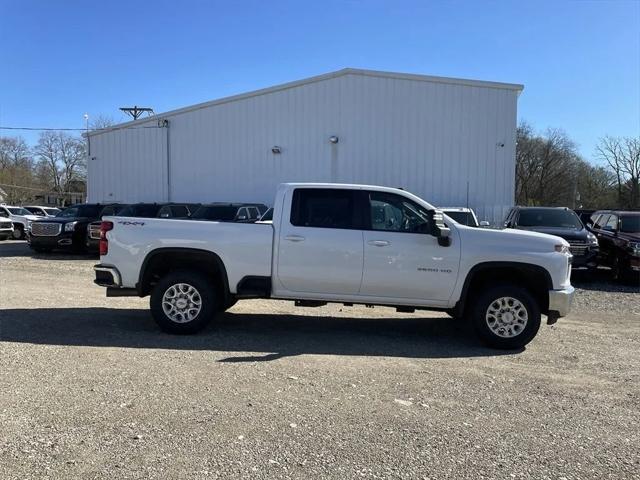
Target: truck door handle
(294, 238)
(379, 243)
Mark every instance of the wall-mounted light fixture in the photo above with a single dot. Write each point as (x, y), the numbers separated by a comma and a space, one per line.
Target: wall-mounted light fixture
(333, 139)
(276, 149)
(500, 145)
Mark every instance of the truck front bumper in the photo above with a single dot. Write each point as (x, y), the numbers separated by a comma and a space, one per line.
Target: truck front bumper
(560, 302)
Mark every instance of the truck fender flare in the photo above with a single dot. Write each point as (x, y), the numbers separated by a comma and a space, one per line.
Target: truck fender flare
(523, 267)
(179, 250)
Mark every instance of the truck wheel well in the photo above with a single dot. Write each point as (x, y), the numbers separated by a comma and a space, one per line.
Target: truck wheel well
(164, 260)
(534, 278)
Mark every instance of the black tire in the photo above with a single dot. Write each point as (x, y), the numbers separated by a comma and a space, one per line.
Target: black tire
(521, 335)
(204, 288)
(18, 233)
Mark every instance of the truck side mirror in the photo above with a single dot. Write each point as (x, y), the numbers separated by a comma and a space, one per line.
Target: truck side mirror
(439, 229)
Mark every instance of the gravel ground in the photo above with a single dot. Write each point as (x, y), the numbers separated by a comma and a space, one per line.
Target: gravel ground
(91, 389)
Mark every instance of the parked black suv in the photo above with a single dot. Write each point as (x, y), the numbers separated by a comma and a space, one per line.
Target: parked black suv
(618, 233)
(68, 229)
(561, 222)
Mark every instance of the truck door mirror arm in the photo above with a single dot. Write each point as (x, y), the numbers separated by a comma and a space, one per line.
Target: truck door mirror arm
(439, 229)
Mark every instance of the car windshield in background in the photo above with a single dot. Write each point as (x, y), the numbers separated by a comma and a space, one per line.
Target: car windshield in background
(465, 218)
(19, 211)
(221, 213)
(80, 211)
(146, 211)
(630, 223)
(52, 211)
(549, 218)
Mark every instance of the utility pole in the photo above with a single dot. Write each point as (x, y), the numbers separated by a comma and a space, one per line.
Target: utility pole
(136, 111)
(86, 127)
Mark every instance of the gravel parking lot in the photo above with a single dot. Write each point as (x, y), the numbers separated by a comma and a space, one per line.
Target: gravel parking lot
(90, 388)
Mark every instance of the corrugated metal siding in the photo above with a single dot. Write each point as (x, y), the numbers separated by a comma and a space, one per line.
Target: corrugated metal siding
(430, 138)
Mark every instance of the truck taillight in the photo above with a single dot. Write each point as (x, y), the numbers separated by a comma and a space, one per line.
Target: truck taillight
(104, 243)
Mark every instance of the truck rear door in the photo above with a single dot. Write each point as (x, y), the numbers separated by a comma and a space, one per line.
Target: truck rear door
(320, 247)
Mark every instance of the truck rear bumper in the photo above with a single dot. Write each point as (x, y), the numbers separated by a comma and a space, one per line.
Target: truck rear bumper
(107, 276)
(560, 302)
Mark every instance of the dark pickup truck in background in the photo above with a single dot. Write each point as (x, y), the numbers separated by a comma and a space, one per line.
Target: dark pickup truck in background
(618, 233)
(561, 222)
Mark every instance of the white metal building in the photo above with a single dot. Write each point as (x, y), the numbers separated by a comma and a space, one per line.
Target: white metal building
(436, 137)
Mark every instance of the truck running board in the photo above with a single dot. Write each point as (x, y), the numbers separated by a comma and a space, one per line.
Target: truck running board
(122, 292)
(309, 303)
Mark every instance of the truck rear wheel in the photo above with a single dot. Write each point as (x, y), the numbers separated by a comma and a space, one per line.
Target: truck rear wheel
(183, 302)
(506, 317)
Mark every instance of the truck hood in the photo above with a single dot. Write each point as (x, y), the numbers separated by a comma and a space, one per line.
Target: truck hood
(63, 220)
(30, 218)
(510, 238)
(569, 234)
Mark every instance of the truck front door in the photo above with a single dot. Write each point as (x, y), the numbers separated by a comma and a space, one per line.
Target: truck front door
(400, 262)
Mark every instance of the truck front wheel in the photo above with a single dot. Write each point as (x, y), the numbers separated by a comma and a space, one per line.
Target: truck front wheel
(183, 302)
(506, 317)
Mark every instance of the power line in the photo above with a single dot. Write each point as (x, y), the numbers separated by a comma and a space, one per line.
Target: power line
(24, 188)
(46, 129)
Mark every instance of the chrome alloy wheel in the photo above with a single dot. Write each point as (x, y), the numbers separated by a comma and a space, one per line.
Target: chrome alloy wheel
(507, 317)
(181, 303)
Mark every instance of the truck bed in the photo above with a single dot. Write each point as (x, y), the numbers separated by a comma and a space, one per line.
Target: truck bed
(245, 248)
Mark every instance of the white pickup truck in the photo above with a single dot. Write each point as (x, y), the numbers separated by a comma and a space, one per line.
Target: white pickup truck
(341, 243)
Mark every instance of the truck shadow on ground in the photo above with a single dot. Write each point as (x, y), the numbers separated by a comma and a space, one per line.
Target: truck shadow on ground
(264, 337)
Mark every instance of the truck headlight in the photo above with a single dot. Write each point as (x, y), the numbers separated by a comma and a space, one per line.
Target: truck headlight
(634, 248)
(562, 248)
(592, 239)
(70, 227)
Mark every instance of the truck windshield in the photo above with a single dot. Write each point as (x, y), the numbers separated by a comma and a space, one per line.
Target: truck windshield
(542, 217)
(630, 223)
(222, 213)
(89, 211)
(19, 211)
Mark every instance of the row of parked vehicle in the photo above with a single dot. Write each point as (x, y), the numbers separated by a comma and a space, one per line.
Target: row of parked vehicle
(605, 237)
(77, 227)
(608, 238)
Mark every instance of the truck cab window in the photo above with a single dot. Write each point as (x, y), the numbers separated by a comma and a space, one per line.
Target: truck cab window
(323, 208)
(396, 213)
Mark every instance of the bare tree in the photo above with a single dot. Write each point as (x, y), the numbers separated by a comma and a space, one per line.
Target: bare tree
(16, 169)
(622, 155)
(546, 168)
(61, 161)
(101, 121)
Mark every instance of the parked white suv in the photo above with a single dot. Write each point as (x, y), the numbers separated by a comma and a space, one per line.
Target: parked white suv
(41, 211)
(464, 216)
(6, 227)
(21, 219)
(347, 244)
